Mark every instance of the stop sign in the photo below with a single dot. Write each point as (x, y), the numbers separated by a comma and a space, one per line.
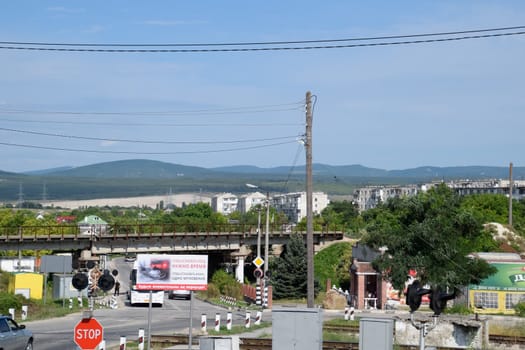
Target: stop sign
(88, 333)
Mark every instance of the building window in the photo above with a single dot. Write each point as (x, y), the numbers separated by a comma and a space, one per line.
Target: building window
(486, 300)
(511, 299)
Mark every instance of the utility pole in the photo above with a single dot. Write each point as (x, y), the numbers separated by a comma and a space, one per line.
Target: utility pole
(511, 187)
(309, 203)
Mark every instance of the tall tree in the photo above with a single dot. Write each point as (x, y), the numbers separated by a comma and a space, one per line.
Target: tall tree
(432, 234)
(289, 270)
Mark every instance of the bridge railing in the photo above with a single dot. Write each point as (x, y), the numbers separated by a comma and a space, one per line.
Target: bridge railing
(150, 230)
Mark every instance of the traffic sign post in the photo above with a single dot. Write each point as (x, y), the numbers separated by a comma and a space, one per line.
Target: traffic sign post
(88, 333)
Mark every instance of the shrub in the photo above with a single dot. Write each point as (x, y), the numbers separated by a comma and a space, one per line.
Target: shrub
(226, 284)
(8, 300)
(212, 291)
(520, 309)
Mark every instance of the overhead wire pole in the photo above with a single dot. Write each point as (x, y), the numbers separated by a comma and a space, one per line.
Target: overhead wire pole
(309, 213)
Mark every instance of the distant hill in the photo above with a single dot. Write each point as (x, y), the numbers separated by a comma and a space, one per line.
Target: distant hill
(141, 177)
(133, 169)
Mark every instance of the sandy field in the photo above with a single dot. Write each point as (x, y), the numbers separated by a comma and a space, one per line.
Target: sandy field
(149, 201)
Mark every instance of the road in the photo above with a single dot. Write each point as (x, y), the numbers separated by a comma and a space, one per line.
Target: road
(173, 317)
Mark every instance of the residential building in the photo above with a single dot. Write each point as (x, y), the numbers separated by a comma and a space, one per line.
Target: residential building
(247, 201)
(93, 224)
(225, 203)
(293, 205)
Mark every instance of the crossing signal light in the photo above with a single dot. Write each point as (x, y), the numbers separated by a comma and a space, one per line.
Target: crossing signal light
(106, 281)
(414, 295)
(80, 281)
(438, 300)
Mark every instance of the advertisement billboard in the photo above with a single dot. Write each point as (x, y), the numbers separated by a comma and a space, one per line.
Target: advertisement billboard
(172, 272)
(509, 277)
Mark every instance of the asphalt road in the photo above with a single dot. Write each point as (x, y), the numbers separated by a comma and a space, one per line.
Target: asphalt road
(172, 317)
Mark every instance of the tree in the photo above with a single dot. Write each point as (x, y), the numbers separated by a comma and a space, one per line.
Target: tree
(289, 270)
(432, 234)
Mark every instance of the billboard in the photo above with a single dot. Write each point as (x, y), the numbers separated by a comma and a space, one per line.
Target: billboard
(172, 272)
(509, 277)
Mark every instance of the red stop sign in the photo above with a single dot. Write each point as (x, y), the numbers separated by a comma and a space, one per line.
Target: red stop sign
(88, 333)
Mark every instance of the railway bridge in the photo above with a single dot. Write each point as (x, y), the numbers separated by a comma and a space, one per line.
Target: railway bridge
(226, 243)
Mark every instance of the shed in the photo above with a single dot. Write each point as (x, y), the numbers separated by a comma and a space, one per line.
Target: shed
(29, 284)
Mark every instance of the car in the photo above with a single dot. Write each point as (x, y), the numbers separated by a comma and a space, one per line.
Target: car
(130, 258)
(179, 294)
(14, 336)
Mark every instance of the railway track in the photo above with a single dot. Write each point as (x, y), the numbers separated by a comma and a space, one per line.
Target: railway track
(266, 343)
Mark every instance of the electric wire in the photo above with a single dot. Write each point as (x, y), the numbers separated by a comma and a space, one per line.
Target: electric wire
(233, 110)
(387, 37)
(284, 48)
(272, 124)
(146, 153)
(145, 141)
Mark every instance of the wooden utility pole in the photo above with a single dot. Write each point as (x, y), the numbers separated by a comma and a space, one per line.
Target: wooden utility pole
(511, 187)
(309, 204)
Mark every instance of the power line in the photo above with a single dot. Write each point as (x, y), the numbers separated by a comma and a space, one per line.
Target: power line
(271, 48)
(150, 123)
(146, 153)
(147, 141)
(388, 37)
(232, 110)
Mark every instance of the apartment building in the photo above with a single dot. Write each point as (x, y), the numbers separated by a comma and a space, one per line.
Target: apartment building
(293, 205)
(225, 203)
(247, 201)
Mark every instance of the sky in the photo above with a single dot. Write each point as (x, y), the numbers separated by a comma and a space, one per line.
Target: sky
(389, 106)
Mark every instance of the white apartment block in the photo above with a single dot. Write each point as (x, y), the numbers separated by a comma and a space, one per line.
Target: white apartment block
(225, 203)
(250, 200)
(294, 204)
(370, 197)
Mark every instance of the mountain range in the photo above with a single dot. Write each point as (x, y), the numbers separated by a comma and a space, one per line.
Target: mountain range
(141, 177)
(150, 169)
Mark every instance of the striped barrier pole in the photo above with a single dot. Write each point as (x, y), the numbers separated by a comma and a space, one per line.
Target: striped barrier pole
(203, 323)
(141, 339)
(24, 312)
(258, 317)
(70, 303)
(258, 295)
(247, 321)
(122, 343)
(229, 321)
(217, 322)
(79, 299)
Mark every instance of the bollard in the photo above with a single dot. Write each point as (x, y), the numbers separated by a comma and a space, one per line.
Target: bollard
(12, 313)
(217, 322)
(352, 313)
(102, 345)
(203, 323)
(347, 313)
(258, 317)
(229, 321)
(70, 303)
(141, 339)
(24, 312)
(122, 343)
(247, 321)
(79, 299)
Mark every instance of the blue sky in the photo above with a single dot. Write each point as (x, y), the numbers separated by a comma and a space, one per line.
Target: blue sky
(392, 107)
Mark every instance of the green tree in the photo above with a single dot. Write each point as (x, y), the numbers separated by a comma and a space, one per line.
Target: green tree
(289, 270)
(431, 234)
(333, 262)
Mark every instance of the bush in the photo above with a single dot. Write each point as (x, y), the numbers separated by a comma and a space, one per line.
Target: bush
(212, 291)
(520, 309)
(8, 300)
(227, 284)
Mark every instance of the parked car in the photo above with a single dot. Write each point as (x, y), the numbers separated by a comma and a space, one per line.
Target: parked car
(130, 257)
(179, 294)
(14, 336)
